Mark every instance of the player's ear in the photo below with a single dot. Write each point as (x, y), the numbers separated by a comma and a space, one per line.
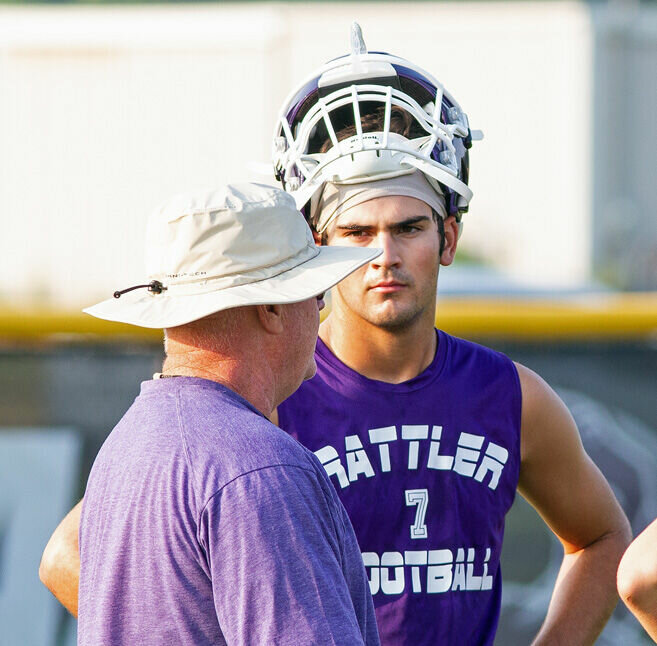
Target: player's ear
(271, 318)
(451, 239)
(317, 237)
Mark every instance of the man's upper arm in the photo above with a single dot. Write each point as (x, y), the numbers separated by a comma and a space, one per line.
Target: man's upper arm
(557, 476)
(275, 555)
(59, 570)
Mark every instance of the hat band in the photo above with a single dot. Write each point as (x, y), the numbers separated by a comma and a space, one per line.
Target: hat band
(215, 284)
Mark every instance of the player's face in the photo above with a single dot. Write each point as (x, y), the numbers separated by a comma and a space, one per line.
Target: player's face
(393, 290)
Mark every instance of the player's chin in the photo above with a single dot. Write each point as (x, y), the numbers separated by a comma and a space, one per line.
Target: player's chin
(394, 317)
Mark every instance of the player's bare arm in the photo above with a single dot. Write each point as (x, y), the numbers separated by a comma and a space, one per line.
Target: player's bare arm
(637, 579)
(566, 488)
(60, 564)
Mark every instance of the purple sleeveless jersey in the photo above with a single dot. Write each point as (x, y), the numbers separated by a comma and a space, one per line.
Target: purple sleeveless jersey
(427, 471)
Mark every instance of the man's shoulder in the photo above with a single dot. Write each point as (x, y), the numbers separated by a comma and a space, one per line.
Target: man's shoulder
(148, 427)
(228, 427)
(224, 438)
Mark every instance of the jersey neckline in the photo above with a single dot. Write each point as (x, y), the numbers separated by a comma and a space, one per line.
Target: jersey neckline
(342, 372)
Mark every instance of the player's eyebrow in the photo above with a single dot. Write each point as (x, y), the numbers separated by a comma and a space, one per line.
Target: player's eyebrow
(352, 227)
(397, 225)
(413, 220)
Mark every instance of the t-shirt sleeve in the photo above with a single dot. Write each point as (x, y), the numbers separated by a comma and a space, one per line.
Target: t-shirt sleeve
(275, 555)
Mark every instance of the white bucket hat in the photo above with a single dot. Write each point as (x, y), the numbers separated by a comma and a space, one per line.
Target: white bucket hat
(242, 244)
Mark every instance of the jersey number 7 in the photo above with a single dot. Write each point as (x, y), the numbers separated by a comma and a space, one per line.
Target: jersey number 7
(420, 498)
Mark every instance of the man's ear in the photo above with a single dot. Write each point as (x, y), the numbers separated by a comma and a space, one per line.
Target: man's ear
(317, 237)
(451, 238)
(271, 318)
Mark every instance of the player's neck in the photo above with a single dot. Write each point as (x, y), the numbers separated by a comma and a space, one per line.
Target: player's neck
(390, 355)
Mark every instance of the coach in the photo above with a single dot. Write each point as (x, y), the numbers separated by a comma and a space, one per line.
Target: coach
(203, 523)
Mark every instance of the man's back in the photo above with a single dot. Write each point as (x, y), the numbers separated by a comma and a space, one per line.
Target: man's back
(203, 523)
(427, 470)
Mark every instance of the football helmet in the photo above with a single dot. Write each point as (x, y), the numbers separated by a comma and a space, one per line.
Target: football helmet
(306, 150)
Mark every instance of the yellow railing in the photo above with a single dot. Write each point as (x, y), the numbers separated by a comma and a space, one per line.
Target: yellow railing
(600, 317)
(618, 316)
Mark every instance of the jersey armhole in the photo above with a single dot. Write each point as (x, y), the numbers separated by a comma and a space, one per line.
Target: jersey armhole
(517, 415)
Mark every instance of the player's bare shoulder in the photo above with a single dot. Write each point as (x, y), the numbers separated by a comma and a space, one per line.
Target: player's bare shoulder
(556, 475)
(548, 430)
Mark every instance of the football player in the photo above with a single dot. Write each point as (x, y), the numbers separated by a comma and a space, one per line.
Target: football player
(427, 437)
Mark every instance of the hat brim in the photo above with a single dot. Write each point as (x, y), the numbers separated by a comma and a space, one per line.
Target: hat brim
(304, 281)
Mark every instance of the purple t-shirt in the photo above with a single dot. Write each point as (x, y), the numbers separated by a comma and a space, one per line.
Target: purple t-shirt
(427, 470)
(203, 523)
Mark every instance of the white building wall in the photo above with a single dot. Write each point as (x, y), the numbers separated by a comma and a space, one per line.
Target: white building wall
(106, 111)
(625, 144)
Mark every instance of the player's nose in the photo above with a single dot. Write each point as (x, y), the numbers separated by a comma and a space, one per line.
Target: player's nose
(390, 256)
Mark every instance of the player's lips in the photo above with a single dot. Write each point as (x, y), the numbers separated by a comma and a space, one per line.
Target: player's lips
(387, 286)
